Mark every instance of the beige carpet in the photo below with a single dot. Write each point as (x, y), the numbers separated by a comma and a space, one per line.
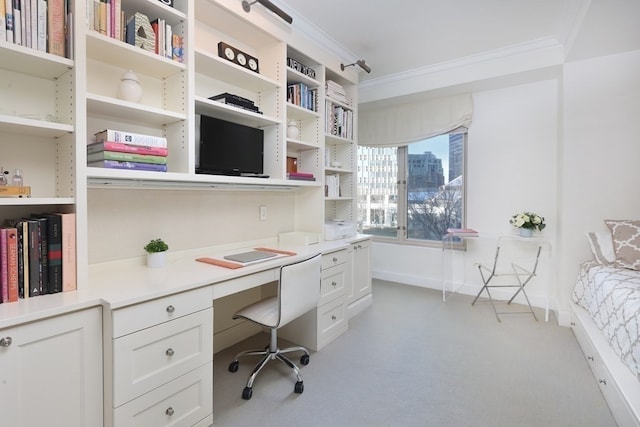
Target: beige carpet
(413, 360)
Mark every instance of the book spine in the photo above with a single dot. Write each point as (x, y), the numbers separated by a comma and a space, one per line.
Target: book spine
(54, 252)
(17, 23)
(126, 148)
(44, 255)
(34, 259)
(3, 21)
(25, 260)
(126, 157)
(131, 138)
(4, 272)
(42, 25)
(116, 164)
(12, 264)
(55, 26)
(68, 221)
(20, 254)
(26, 22)
(8, 4)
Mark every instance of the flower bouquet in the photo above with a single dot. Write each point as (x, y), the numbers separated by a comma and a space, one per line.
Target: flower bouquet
(527, 222)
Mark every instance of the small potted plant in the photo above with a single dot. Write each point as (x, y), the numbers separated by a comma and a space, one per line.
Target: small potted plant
(156, 253)
(527, 222)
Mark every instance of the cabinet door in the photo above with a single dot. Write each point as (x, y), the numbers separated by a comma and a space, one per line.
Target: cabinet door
(361, 269)
(51, 372)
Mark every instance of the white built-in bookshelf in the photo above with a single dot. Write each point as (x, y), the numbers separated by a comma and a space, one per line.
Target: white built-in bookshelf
(60, 103)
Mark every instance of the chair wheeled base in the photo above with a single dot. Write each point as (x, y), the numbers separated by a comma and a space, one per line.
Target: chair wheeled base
(272, 352)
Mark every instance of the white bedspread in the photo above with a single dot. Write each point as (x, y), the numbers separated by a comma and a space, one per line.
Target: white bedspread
(612, 298)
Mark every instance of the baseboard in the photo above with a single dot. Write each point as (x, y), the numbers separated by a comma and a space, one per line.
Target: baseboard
(359, 305)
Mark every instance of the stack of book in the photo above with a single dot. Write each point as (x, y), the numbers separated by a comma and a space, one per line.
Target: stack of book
(332, 185)
(462, 232)
(37, 256)
(126, 150)
(301, 176)
(339, 120)
(335, 91)
(302, 95)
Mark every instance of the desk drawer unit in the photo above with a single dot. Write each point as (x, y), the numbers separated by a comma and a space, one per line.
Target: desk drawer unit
(140, 316)
(333, 284)
(332, 321)
(335, 258)
(185, 401)
(154, 356)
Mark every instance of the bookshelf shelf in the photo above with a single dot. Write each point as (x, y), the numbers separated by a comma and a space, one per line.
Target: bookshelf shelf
(300, 113)
(33, 62)
(129, 111)
(299, 145)
(36, 201)
(329, 169)
(40, 128)
(119, 54)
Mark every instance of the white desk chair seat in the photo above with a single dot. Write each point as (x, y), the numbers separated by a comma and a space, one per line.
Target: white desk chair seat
(298, 293)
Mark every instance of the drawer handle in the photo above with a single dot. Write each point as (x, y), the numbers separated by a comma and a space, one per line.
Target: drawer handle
(5, 342)
(334, 284)
(169, 352)
(603, 382)
(169, 411)
(590, 358)
(170, 309)
(335, 259)
(333, 317)
(359, 246)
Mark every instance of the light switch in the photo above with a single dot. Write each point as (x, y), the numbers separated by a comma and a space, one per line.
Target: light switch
(263, 213)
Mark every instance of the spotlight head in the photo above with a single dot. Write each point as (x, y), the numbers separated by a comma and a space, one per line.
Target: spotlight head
(362, 65)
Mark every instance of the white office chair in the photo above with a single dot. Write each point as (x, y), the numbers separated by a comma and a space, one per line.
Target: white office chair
(504, 265)
(298, 293)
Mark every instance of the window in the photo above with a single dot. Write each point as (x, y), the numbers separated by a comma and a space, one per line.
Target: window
(414, 192)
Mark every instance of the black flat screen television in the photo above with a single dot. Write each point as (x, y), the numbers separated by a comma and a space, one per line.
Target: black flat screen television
(228, 148)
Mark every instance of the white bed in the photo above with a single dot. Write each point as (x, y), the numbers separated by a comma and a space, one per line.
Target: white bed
(606, 320)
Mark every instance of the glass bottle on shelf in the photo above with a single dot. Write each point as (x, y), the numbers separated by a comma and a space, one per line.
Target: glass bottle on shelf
(16, 180)
(3, 178)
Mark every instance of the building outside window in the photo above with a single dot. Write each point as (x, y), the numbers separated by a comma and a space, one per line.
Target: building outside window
(412, 193)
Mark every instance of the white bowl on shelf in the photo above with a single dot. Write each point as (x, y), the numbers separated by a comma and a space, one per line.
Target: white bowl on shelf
(336, 164)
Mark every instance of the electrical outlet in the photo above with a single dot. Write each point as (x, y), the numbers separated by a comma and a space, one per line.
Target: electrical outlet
(263, 213)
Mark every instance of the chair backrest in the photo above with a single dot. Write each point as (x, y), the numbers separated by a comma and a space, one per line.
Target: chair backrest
(299, 288)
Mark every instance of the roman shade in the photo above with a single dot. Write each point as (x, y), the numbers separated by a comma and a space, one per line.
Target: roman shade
(402, 124)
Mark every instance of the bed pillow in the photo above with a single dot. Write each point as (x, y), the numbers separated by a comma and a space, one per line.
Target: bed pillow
(626, 242)
(601, 246)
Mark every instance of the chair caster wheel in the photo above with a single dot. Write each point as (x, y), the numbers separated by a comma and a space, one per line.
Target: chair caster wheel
(246, 393)
(233, 366)
(299, 387)
(304, 359)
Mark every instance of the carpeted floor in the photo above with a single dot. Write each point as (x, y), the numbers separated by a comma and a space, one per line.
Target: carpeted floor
(413, 360)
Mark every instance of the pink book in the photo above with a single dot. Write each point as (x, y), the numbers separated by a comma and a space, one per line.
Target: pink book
(4, 273)
(68, 251)
(126, 148)
(12, 264)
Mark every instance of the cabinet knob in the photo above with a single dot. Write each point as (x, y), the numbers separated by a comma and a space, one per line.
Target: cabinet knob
(333, 317)
(169, 411)
(590, 358)
(6, 341)
(335, 259)
(169, 352)
(170, 309)
(603, 382)
(334, 284)
(359, 246)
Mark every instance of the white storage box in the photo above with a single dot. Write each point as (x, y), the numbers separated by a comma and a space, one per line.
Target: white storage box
(298, 238)
(339, 230)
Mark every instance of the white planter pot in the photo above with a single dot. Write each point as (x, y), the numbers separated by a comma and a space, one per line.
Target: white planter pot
(156, 259)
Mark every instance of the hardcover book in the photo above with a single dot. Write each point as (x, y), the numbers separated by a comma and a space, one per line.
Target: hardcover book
(68, 221)
(131, 138)
(4, 275)
(126, 157)
(43, 267)
(126, 148)
(35, 271)
(12, 264)
(116, 164)
(54, 252)
(55, 27)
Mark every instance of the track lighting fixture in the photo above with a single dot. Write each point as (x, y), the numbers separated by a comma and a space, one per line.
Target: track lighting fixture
(360, 63)
(272, 7)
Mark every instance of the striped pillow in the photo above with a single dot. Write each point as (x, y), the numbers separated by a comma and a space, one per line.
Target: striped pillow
(626, 242)
(601, 246)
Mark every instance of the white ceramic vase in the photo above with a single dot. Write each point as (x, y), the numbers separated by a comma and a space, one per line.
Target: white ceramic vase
(130, 88)
(526, 232)
(293, 131)
(156, 259)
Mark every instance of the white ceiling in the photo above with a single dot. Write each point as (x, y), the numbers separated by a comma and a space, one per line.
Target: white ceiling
(402, 35)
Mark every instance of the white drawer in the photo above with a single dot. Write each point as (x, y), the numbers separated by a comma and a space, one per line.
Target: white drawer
(182, 402)
(139, 316)
(332, 321)
(333, 284)
(335, 258)
(149, 358)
